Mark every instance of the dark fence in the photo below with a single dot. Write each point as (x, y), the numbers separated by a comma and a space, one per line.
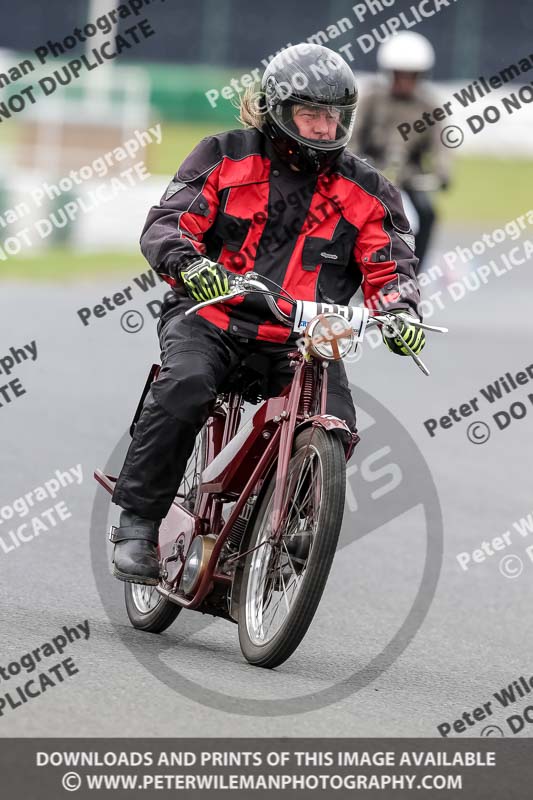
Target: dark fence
(472, 37)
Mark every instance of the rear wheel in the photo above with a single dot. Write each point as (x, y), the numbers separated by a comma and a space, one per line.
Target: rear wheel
(147, 609)
(284, 581)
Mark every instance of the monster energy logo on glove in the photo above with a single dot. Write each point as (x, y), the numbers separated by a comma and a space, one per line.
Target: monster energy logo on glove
(205, 280)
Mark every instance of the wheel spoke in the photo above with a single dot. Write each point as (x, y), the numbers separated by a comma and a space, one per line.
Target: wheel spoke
(284, 590)
(301, 477)
(274, 609)
(305, 498)
(275, 577)
(145, 598)
(191, 478)
(289, 557)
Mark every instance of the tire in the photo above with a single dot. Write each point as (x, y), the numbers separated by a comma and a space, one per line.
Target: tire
(146, 608)
(312, 562)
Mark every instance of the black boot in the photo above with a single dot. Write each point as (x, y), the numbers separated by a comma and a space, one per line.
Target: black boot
(135, 558)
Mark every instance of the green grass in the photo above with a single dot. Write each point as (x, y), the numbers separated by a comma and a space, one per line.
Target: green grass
(67, 265)
(483, 190)
(178, 141)
(486, 192)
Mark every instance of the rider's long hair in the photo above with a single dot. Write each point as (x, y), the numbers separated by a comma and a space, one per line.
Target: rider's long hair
(248, 106)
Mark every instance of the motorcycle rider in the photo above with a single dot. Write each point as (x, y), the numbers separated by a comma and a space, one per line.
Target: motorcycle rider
(282, 197)
(402, 97)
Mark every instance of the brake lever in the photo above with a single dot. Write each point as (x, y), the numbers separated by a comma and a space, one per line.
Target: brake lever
(383, 319)
(205, 303)
(391, 324)
(241, 285)
(418, 324)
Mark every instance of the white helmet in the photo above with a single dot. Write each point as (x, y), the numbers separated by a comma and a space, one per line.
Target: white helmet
(406, 52)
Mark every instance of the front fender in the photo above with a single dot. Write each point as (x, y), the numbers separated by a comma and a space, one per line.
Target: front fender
(331, 423)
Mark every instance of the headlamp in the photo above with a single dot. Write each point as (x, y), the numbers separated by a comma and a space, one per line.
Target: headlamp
(196, 563)
(329, 337)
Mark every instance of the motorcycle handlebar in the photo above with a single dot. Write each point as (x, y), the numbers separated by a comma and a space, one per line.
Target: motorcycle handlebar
(250, 283)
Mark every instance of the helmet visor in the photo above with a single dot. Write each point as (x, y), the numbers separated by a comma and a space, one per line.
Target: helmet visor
(323, 127)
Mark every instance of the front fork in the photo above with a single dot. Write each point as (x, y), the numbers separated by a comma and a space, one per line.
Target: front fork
(289, 421)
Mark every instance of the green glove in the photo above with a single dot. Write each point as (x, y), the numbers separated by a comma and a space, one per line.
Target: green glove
(415, 337)
(205, 280)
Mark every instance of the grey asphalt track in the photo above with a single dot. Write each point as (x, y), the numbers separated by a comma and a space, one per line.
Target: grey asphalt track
(476, 636)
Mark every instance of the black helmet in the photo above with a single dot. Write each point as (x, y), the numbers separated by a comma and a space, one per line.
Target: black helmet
(310, 80)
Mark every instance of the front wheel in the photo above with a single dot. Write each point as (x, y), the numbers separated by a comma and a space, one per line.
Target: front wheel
(284, 581)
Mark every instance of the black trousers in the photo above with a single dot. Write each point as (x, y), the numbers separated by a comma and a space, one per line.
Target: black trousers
(427, 218)
(196, 357)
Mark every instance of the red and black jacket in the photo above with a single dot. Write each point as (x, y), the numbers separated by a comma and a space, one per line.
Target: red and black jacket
(319, 238)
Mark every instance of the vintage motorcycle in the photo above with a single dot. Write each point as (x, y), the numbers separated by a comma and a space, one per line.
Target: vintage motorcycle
(253, 530)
